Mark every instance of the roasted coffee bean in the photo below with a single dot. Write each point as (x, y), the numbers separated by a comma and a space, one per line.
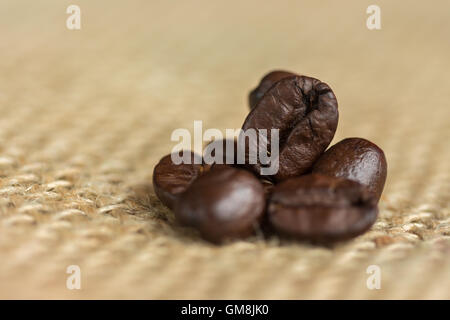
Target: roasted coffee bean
(321, 208)
(170, 179)
(356, 159)
(224, 203)
(305, 111)
(266, 82)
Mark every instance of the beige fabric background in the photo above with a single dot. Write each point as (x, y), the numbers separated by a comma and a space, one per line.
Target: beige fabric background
(85, 115)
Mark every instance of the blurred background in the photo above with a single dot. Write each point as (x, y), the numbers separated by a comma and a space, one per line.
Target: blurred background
(86, 114)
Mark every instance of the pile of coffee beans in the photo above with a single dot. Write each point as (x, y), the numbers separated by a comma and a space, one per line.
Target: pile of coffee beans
(318, 195)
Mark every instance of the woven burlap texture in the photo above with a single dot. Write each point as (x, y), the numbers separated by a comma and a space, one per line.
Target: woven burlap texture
(86, 114)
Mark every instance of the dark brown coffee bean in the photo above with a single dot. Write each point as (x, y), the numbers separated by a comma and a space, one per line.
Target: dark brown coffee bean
(356, 159)
(170, 179)
(266, 82)
(224, 203)
(321, 208)
(305, 111)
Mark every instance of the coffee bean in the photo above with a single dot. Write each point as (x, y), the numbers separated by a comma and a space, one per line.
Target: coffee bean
(266, 82)
(356, 159)
(224, 203)
(321, 208)
(305, 111)
(170, 179)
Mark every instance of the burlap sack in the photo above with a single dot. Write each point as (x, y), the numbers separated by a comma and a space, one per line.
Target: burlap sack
(86, 114)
